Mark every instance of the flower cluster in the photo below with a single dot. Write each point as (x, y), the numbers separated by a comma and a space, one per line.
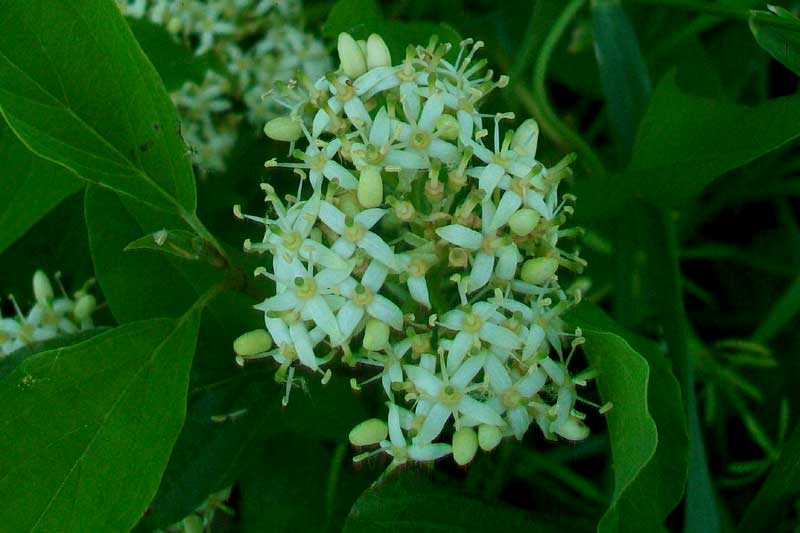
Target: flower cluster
(201, 519)
(258, 42)
(49, 317)
(415, 249)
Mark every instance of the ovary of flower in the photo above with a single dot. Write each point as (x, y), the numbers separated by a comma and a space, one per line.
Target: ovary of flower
(401, 451)
(449, 397)
(473, 326)
(304, 297)
(363, 297)
(513, 396)
(421, 136)
(486, 246)
(355, 234)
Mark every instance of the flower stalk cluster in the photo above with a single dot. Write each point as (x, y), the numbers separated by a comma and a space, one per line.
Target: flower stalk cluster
(50, 316)
(423, 245)
(256, 42)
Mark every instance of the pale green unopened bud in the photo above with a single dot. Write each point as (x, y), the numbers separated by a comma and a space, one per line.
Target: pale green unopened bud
(85, 306)
(42, 289)
(193, 524)
(526, 138)
(351, 56)
(447, 127)
(378, 54)
(523, 221)
(283, 129)
(348, 204)
(465, 444)
(252, 343)
(376, 335)
(370, 188)
(174, 25)
(538, 270)
(489, 437)
(572, 429)
(369, 432)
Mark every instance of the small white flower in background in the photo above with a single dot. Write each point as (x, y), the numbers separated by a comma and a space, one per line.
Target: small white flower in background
(50, 316)
(201, 519)
(419, 251)
(258, 42)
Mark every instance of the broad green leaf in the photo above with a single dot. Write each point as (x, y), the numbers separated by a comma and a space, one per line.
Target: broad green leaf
(782, 43)
(360, 18)
(77, 89)
(781, 314)
(780, 489)
(646, 424)
(175, 62)
(405, 502)
(685, 142)
(87, 430)
(29, 187)
(623, 73)
(140, 284)
(180, 243)
(13, 360)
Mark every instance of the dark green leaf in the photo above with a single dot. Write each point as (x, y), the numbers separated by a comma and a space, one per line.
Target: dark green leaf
(781, 314)
(646, 425)
(782, 43)
(685, 142)
(623, 73)
(180, 243)
(87, 429)
(78, 90)
(356, 17)
(408, 502)
(778, 491)
(29, 186)
(13, 360)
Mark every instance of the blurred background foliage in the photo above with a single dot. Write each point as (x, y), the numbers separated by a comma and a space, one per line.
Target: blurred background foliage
(684, 115)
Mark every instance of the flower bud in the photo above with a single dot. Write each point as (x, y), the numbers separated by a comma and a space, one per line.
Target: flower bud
(465, 444)
(354, 64)
(526, 138)
(193, 524)
(377, 52)
(523, 221)
(348, 203)
(42, 289)
(252, 343)
(572, 429)
(539, 269)
(376, 335)
(84, 307)
(174, 25)
(370, 188)
(284, 129)
(447, 127)
(489, 437)
(369, 432)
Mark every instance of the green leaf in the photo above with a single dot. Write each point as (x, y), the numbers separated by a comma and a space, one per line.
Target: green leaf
(86, 430)
(139, 285)
(359, 18)
(29, 187)
(406, 502)
(646, 425)
(15, 358)
(781, 314)
(685, 142)
(78, 90)
(180, 243)
(781, 487)
(623, 73)
(782, 43)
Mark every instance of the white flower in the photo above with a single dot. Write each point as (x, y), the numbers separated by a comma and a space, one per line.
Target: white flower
(355, 233)
(364, 297)
(473, 326)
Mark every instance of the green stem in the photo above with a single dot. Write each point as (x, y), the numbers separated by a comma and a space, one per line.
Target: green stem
(553, 126)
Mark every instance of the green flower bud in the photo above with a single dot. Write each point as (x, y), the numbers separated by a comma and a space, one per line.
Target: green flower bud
(526, 138)
(42, 289)
(369, 432)
(283, 129)
(447, 127)
(370, 188)
(351, 56)
(489, 437)
(193, 524)
(465, 444)
(378, 54)
(538, 270)
(523, 221)
(572, 429)
(376, 335)
(252, 343)
(348, 203)
(85, 306)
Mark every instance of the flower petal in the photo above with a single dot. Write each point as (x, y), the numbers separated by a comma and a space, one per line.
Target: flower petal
(479, 411)
(461, 236)
(423, 380)
(386, 311)
(433, 425)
